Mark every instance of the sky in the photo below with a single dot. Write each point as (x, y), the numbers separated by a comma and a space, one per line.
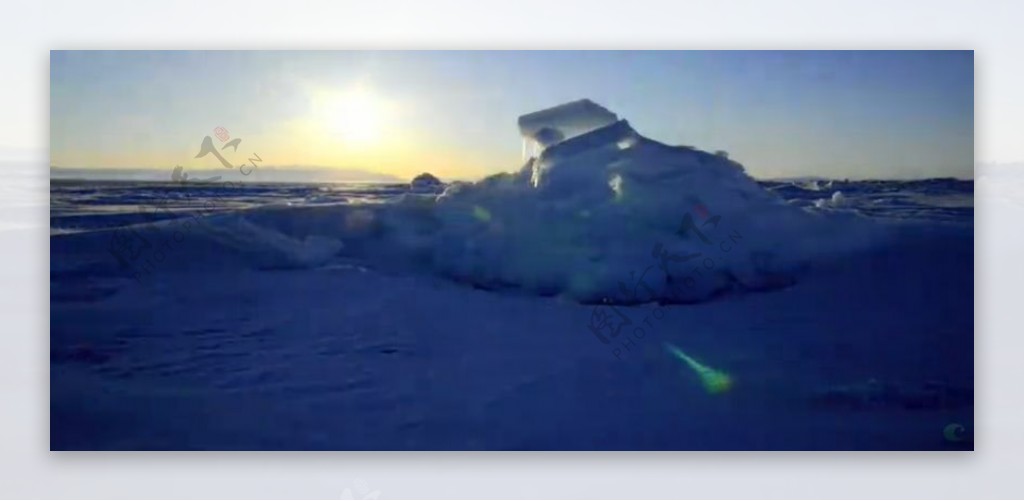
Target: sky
(836, 114)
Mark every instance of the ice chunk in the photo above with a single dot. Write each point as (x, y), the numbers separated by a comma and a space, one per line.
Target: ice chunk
(837, 200)
(544, 128)
(426, 183)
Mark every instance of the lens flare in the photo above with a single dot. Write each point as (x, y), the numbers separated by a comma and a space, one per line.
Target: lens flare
(481, 214)
(714, 381)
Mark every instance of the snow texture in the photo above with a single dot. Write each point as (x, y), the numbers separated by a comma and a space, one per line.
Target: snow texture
(375, 317)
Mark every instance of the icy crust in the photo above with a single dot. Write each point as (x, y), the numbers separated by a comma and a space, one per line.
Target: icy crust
(608, 216)
(611, 216)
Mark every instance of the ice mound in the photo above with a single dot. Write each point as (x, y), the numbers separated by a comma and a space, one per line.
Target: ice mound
(836, 200)
(426, 183)
(599, 214)
(603, 214)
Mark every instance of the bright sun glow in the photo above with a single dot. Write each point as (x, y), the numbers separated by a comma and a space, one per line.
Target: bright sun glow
(358, 116)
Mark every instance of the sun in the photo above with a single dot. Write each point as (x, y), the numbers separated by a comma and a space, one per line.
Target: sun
(359, 117)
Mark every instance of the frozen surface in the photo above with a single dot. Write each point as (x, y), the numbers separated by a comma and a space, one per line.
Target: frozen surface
(590, 211)
(348, 358)
(371, 317)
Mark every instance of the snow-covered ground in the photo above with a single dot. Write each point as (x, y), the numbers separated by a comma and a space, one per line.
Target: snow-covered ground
(354, 359)
(331, 317)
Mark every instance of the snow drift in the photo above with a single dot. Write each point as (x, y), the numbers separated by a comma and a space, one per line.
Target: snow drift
(600, 214)
(609, 215)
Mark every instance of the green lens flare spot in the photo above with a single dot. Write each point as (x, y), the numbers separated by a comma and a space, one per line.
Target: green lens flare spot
(481, 213)
(714, 381)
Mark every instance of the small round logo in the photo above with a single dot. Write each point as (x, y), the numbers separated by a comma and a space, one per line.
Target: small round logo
(221, 134)
(701, 210)
(954, 432)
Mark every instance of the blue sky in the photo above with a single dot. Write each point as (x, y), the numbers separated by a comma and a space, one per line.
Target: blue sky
(831, 114)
